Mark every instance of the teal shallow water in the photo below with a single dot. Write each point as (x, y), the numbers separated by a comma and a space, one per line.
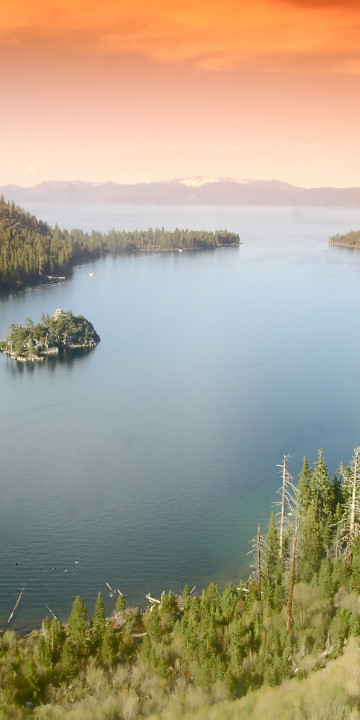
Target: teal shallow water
(149, 462)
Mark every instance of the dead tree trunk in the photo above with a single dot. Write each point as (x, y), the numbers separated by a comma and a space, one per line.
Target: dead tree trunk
(283, 506)
(17, 602)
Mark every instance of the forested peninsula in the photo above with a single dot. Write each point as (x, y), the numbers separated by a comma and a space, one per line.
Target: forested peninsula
(31, 250)
(61, 331)
(248, 650)
(350, 239)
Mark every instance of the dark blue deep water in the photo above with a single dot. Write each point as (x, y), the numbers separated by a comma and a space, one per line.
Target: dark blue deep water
(148, 463)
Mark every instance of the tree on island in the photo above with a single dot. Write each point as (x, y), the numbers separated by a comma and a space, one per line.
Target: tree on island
(61, 331)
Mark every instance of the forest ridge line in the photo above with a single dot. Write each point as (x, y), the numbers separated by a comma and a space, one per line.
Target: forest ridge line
(31, 251)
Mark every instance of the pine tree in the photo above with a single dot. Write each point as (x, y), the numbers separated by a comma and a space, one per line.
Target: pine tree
(326, 583)
(289, 608)
(272, 571)
(153, 624)
(40, 651)
(98, 621)
(337, 540)
(229, 603)
(355, 566)
(303, 493)
(354, 625)
(57, 638)
(168, 610)
(310, 542)
(120, 604)
(339, 629)
(340, 572)
(321, 488)
(108, 648)
(32, 678)
(77, 625)
(271, 552)
(68, 660)
(337, 491)
(258, 562)
(46, 628)
(44, 654)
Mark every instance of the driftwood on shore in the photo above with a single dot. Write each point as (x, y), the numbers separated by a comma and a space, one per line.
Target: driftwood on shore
(51, 612)
(152, 600)
(17, 603)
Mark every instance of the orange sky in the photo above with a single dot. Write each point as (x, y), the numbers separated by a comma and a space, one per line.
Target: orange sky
(142, 90)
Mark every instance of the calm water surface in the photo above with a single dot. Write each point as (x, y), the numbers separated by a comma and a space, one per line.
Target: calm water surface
(148, 462)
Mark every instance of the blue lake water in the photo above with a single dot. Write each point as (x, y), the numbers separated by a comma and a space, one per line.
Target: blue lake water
(148, 463)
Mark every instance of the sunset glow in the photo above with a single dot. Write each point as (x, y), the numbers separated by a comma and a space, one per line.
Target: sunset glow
(150, 91)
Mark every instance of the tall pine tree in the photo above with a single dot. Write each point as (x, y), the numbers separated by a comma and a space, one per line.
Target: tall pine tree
(303, 492)
(77, 625)
(311, 542)
(98, 621)
(271, 564)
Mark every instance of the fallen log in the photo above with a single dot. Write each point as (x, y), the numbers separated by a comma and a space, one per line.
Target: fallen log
(17, 602)
(152, 600)
(50, 611)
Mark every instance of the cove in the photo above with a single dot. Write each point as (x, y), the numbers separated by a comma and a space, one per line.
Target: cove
(148, 463)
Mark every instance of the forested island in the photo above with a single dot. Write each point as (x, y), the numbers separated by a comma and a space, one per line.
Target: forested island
(31, 250)
(61, 331)
(350, 239)
(248, 650)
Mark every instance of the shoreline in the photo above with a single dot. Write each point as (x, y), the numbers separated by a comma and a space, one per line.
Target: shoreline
(20, 285)
(345, 245)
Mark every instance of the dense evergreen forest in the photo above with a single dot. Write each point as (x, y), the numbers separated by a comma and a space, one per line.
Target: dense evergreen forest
(31, 250)
(350, 239)
(187, 653)
(61, 331)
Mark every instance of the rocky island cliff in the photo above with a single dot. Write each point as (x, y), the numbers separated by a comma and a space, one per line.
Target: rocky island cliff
(61, 331)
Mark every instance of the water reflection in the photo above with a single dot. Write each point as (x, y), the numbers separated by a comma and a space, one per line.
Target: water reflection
(65, 358)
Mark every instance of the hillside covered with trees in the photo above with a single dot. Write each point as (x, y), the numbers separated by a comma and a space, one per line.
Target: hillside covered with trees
(187, 652)
(31, 250)
(350, 239)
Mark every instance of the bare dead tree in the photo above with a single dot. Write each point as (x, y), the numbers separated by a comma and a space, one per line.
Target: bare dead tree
(350, 524)
(258, 545)
(287, 503)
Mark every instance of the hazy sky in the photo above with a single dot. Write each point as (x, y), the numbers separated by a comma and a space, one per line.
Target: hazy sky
(142, 90)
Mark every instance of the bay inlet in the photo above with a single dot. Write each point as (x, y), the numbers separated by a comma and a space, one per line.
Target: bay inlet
(148, 463)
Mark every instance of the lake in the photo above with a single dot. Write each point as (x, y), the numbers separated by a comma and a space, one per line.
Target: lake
(149, 462)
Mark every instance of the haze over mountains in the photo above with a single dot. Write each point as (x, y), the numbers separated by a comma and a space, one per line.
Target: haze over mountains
(192, 191)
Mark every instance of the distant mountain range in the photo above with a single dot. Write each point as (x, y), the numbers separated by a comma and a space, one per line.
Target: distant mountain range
(192, 191)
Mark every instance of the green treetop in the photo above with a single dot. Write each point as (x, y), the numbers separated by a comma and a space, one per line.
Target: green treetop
(98, 620)
(77, 625)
